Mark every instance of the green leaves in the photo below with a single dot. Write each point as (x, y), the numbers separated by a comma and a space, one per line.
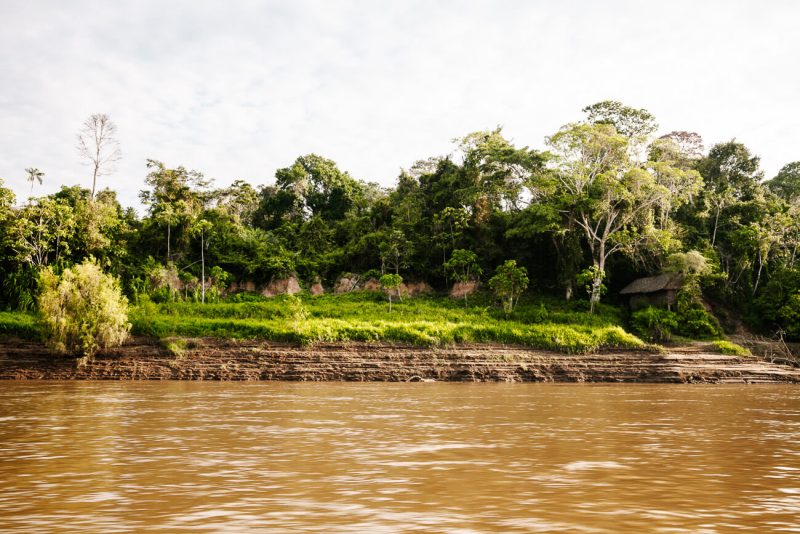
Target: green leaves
(82, 310)
(464, 265)
(508, 283)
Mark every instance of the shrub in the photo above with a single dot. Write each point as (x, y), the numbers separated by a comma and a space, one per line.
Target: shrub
(295, 308)
(654, 324)
(82, 310)
(693, 319)
(697, 323)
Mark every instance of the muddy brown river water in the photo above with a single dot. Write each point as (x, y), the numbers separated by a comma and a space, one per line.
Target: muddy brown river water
(375, 457)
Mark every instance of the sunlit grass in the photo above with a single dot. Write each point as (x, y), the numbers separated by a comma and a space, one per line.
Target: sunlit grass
(364, 317)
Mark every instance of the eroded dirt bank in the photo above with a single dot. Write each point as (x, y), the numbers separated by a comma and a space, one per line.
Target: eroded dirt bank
(212, 359)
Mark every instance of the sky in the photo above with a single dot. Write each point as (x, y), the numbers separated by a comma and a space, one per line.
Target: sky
(238, 89)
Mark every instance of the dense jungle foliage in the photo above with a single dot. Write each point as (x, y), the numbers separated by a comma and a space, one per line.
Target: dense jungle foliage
(603, 202)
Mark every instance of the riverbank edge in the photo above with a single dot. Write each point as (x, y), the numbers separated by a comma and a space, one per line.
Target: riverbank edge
(237, 360)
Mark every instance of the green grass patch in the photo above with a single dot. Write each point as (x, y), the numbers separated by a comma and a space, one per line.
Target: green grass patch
(364, 317)
(19, 324)
(732, 349)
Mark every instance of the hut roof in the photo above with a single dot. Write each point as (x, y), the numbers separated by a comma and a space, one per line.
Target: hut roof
(651, 284)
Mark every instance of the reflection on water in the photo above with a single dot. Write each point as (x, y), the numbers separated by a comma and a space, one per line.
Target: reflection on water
(108, 457)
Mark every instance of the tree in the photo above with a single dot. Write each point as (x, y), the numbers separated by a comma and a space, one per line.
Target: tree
(40, 231)
(731, 166)
(495, 172)
(636, 124)
(240, 201)
(786, 183)
(390, 283)
(464, 266)
(448, 227)
(176, 198)
(688, 145)
(691, 263)
(674, 171)
(83, 310)
(7, 200)
(395, 250)
(202, 227)
(508, 283)
(314, 185)
(731, 175)
(603, 192)
(34, 175)
(98, 145)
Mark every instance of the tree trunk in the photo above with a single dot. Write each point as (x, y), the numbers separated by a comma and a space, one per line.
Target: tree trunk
(94, 177)
(758, 276)
(169, 228)
(597, 280)
(203, 264)
(716, 223)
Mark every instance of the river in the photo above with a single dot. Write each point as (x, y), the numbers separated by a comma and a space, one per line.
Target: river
(352, 457)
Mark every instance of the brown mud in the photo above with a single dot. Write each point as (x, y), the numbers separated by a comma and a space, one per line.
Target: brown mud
(216, 359)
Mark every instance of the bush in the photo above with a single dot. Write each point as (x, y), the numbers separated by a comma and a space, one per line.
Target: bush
(82, 310)
(654, 324)
(693, 319)
(697, 323)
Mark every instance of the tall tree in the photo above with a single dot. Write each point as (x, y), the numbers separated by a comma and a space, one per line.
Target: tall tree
(177, 197)
(731, 174)
(314, 185)
(635, 124)
(495, 172)
(42, 230)
(608, 196)
(689, 145)
(786, 184)
(34, 175)
(98, 145)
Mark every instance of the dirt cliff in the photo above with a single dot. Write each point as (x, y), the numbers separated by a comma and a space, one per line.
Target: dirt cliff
(214, 359)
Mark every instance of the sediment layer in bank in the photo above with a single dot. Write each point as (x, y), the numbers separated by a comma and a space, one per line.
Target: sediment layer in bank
(214, 359)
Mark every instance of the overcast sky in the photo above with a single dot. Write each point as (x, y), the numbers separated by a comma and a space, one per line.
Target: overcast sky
(239, 89)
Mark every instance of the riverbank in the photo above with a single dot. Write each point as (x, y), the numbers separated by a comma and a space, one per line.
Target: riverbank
(215, 359)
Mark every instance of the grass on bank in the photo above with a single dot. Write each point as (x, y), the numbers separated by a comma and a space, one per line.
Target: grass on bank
(19, 324)
(730, 348)
(363, 316)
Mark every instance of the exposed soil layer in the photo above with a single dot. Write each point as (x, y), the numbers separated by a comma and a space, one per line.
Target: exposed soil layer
(215, 359)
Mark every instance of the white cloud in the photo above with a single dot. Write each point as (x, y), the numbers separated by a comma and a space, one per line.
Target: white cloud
(238, 89)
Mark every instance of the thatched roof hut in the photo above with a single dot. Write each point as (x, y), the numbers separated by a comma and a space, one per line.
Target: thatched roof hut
(660, 291)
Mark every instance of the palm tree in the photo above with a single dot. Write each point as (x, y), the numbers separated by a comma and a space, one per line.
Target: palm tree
(33, 175)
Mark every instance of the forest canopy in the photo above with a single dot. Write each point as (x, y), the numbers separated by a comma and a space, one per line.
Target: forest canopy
(601, 202)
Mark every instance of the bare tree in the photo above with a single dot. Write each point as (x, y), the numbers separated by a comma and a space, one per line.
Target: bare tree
(98, 145)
